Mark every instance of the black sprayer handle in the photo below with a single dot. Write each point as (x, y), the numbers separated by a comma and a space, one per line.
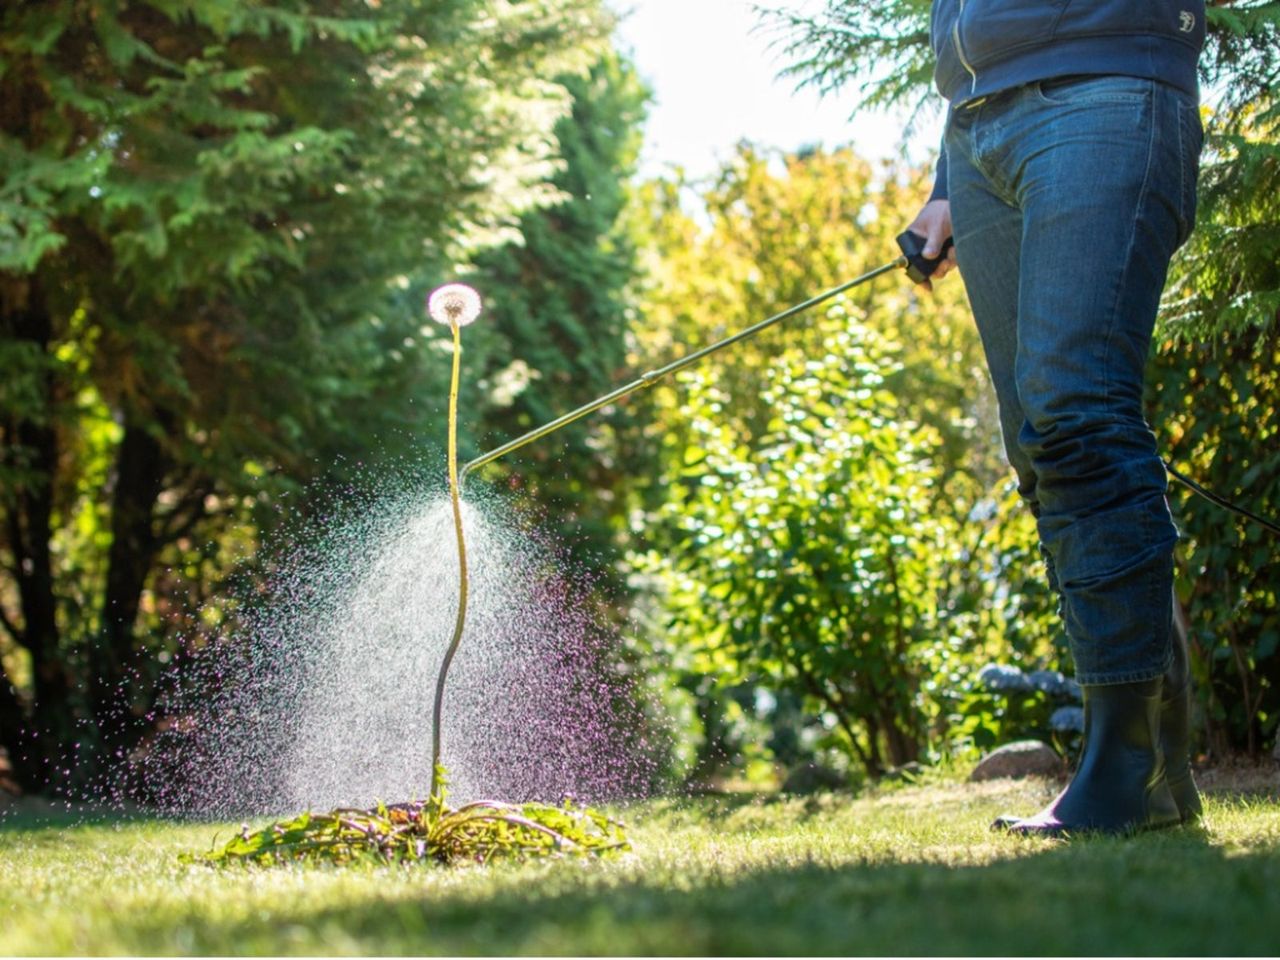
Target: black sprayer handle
(919, 267)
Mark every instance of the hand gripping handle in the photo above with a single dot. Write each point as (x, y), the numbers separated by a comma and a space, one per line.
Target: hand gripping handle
(919, 267)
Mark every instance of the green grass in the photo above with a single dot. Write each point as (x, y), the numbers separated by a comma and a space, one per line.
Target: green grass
(909, 871)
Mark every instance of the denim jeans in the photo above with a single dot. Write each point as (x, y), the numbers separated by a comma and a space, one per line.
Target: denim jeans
(1068, 199)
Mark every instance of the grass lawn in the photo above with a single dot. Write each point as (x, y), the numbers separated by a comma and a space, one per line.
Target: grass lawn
(912, 870)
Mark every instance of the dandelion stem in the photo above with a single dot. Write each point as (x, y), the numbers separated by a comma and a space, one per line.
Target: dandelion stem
(462, 561)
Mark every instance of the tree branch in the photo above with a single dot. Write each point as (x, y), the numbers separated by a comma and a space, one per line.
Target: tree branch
(174, 528)
(824, 695)
(10, 628)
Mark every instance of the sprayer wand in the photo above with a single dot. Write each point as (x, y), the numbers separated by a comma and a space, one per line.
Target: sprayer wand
(918, 268)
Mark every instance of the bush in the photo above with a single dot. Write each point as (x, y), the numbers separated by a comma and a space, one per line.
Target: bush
(1004, 704)
(811, 557)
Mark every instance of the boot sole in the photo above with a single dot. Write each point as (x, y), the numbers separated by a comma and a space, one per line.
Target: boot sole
(1062, 831)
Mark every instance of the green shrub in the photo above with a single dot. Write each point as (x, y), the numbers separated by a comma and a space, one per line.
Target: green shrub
(811, 557)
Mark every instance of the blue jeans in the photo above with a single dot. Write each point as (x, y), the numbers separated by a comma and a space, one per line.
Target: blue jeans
(1068, 199)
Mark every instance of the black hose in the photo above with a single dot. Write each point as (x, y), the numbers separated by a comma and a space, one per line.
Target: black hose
(1220, 501)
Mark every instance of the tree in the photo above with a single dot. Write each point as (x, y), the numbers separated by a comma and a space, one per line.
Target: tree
(1216, 396)
(879, 48)
(219, 219)
(558, 312)
(771, 230)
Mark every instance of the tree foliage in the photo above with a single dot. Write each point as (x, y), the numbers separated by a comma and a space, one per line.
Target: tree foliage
(1215, 396)
(216, 223)
(771, 230)
(880, 49)
(808, 555)
(557, 320)
(1228, 280)
(1217, 406)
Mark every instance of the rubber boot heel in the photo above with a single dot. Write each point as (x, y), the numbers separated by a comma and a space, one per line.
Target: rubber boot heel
(1175, 724)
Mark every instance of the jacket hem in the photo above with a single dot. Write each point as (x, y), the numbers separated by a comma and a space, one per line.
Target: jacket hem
(1151, 57)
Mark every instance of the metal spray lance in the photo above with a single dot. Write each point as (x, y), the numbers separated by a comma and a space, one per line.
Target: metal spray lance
(919, 268)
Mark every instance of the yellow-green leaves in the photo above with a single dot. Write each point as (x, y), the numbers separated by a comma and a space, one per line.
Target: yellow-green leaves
(427, 832)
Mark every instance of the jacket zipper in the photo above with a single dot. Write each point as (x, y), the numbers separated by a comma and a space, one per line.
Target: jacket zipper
(964, 61)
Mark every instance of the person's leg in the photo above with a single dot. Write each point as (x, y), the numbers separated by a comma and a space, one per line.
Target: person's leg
(1102, 173)
(988, 235)
(1099, 169)
(988, 231)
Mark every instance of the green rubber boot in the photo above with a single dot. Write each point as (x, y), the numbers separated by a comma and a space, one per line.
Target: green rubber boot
(1175, 725)
(1119, 785)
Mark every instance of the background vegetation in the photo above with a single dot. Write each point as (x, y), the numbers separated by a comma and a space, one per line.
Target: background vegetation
(218, 220)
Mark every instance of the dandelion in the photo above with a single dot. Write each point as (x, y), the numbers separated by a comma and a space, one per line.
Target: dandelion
(454, 305)
(430, 830)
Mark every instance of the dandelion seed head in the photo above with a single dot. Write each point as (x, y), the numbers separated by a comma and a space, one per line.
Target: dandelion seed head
(454, 303)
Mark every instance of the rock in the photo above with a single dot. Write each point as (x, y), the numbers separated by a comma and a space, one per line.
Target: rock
(1023, 758)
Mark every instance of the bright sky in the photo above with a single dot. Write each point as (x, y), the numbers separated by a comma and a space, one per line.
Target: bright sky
(712, 72)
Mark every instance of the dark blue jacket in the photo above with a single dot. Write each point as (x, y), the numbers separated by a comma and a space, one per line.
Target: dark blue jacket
(986, 46)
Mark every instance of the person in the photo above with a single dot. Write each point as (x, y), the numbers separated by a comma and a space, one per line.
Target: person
(1067, 180)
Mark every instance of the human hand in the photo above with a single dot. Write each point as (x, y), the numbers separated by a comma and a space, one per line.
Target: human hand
(933, 222)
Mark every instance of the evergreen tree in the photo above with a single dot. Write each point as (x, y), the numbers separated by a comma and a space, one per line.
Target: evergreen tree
(1215, 395)
(558, 313)
(879, 48)
(216, 223)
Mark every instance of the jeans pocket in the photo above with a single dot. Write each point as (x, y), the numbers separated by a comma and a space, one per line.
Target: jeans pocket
(1074, 90)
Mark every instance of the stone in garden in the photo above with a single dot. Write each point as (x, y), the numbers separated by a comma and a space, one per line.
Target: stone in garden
(1023, 758)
